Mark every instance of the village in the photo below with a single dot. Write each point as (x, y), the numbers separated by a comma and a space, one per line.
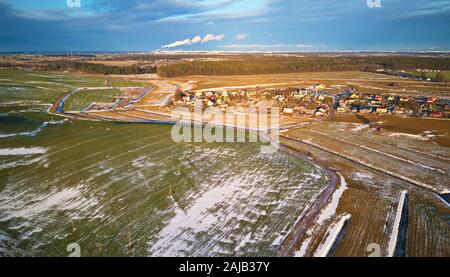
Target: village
(317, 100)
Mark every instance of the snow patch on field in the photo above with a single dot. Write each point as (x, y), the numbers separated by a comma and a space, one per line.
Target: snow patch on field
(332, 235)
(195, 218)
(22, 162)
(57, 122)
(18, 88)
(303, 248)
(7, 135)
(104, 169)
(34, 132)
(330, 209)
(393, 240)
(360, 127)
(216, 218)
(362, 176)
(142, 162)
(27, 134)
(37, 207)
(22, 151)
(246, 240)
(417, 137)
(29, 213)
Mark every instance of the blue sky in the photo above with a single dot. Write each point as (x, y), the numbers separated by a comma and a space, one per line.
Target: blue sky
(245, 25)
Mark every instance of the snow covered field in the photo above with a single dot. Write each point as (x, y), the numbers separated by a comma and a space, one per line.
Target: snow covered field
(371, 196)
(127, 189)
(418, 161)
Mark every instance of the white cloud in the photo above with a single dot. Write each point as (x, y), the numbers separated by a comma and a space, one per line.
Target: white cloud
(253, 46)
(194, 40)
(211, 37)
(268, 46)
(305, 46)
(241, 37)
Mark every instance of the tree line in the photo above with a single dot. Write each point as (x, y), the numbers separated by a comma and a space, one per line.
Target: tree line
(250, 64)
(271, 65)
(85, 67)
(97, 68)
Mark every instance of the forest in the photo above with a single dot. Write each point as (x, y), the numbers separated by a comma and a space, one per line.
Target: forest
(96, 68)
(271, 65)
(237, 64)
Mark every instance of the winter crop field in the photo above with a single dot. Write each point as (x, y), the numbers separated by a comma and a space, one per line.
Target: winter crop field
(23, 86)
(120, 194)
(82, 99)
(127, 189)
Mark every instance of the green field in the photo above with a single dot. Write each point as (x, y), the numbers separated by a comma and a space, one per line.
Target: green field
(446, 75)
(24, 86)
(432, 75)
(82, 99)
(129, 190)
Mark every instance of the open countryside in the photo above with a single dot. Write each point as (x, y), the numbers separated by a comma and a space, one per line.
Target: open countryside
(332, 152)
(169, 129)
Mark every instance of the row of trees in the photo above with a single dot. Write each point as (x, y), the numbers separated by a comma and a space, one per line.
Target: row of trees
(300, 64)
(97, 68)
(84, 67)
(250, 64)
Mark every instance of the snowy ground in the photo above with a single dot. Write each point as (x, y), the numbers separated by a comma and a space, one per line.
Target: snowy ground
(121, 189)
